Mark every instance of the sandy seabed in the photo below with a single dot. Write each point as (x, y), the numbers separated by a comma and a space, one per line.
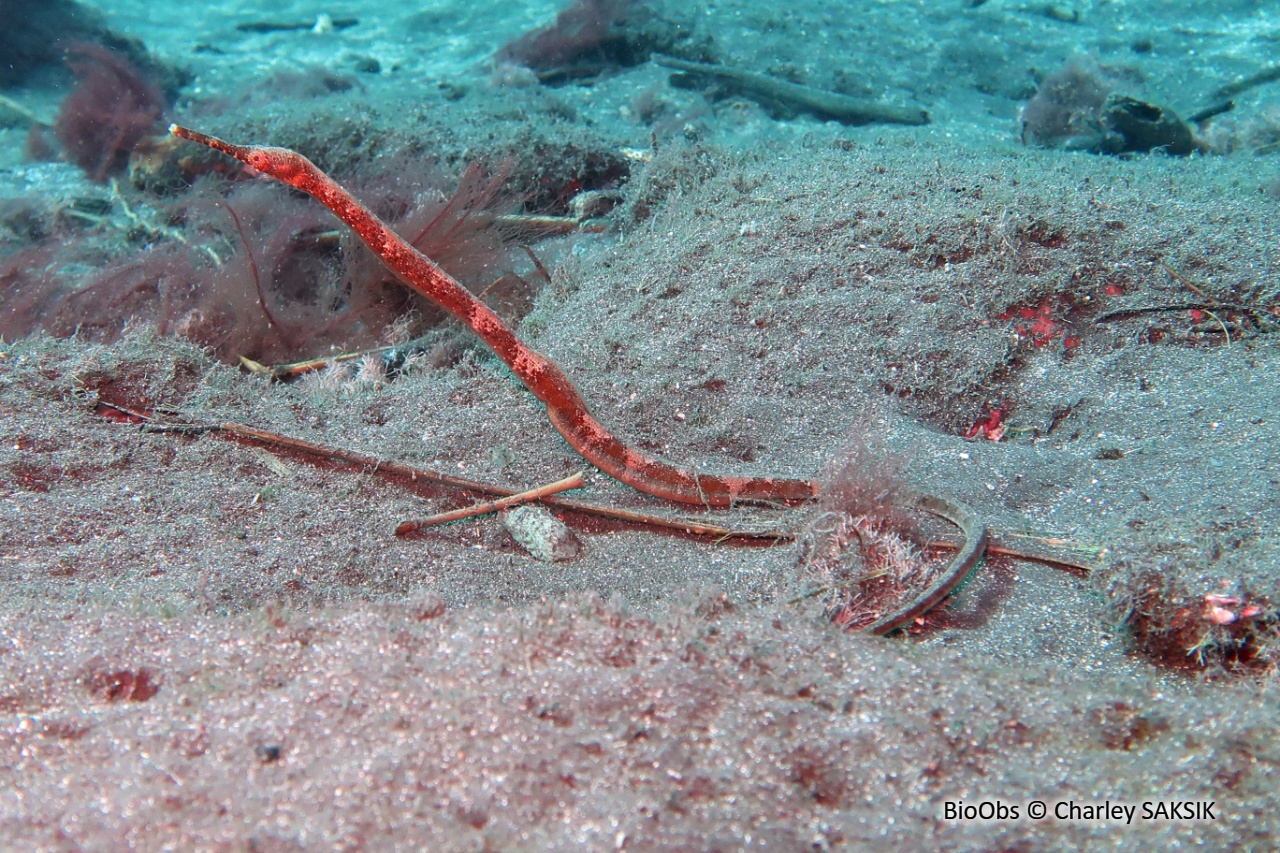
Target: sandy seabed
(211, 645)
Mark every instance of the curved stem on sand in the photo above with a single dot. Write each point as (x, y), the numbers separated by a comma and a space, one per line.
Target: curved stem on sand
(968, 556)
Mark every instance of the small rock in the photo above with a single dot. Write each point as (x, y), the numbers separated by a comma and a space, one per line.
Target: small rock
(541, 533)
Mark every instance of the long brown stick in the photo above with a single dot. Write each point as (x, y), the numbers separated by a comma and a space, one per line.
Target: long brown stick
(386, 466)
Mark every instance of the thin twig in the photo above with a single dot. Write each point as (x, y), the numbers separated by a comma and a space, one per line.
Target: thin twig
(254, 273)
(573, 481)
(1267, 75)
